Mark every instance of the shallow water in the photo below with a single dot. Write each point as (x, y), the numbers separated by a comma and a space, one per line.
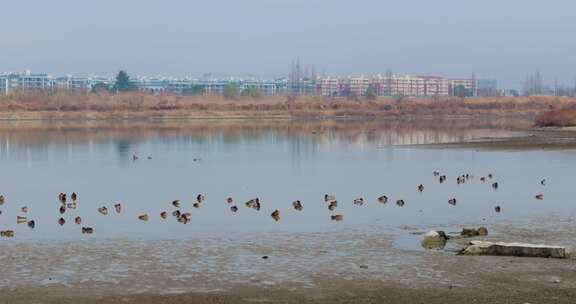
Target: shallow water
(277, 161)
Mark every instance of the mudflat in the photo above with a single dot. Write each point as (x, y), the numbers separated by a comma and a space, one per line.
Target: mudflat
(362, 266)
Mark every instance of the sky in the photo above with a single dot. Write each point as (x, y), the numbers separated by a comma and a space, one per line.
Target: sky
(500, 39)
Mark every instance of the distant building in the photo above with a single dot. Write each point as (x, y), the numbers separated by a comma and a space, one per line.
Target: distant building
(487, 87)
(350, 86)
(394, 85)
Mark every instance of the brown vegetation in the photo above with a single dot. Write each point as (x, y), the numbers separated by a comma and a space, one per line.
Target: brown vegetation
(557, 118)
(83, 105)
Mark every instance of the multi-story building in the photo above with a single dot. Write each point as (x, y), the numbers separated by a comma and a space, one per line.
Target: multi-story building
(390, 85)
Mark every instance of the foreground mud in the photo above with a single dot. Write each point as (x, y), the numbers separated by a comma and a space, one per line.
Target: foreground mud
(362, 266)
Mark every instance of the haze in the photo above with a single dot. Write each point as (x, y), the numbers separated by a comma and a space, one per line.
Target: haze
(492, 38)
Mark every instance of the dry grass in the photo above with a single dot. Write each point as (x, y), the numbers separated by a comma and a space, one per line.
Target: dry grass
(137, 104)
(557, 118)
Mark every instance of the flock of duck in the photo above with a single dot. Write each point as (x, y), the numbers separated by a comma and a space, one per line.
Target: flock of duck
(185, 217)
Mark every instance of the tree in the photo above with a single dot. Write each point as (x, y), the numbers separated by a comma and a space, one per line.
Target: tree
(371, 93)
(231, 91)
(461, 91)
(123, 83)
(100, 87)
(253, 92)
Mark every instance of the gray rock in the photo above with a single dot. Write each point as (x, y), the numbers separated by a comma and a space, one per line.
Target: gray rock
(516, 249)
(473, 232)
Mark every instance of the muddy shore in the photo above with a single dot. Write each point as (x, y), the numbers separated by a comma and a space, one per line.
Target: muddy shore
(361, 266)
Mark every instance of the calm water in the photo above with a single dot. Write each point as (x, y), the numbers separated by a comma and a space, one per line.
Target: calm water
(279, 162)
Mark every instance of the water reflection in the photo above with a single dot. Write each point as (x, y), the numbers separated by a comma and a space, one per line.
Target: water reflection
(29, 141)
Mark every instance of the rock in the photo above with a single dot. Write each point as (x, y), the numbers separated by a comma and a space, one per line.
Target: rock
(473, 232)
(516, 249)
(434, 240)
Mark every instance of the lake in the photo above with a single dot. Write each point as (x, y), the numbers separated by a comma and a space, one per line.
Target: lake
(278, 162)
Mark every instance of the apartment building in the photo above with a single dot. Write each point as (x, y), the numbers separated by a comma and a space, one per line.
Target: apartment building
(394, 85)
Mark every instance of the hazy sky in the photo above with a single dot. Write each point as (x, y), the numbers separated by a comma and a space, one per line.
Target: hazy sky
(502, 39)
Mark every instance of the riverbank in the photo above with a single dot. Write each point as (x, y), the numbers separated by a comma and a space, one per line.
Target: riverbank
(66, 106)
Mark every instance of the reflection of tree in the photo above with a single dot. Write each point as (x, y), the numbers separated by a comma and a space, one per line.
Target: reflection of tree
(123, 148)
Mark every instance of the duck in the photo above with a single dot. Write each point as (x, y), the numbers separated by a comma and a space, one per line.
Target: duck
(200, 198)
(134, 157)
(498, 209)
(543, 182)
(72, 205)
(21, 219)
(143, 217)
(276, 215)
(24, 209)
(62, 209)
(87, 230)
(253, 203)
(400, 203)
(490, 176)
(540, 196)
(359, 201)
(61, 221)
(7, 233)
(332, 205)
(78, 220)
(420, 188)
(32, 224)
(176, 213)
(234, 209)
(197, 205)
(329, 198)
(452, 201)
(436, 173)
(483, 179)
(103, 210)
(176, 203)
(2, 200)
(74, 196)
(62, 197)
(185, 218)
(383, 199)
(163, 215)
(118, 208)
(229, 200)
(460, 180)
(337, 217)
(442, 179)
(297, 205)
(495, 185)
